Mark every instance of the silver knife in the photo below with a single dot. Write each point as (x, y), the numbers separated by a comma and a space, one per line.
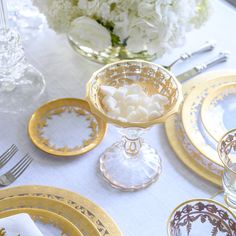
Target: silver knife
(222, 57)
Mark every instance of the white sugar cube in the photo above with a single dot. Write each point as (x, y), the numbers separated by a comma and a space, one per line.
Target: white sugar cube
(154, 115)
(132, 99)
(154, 107)
(132, 117)
(108, 90)
(109, 102)
(158, 98)
(134, 89)
(120, 93)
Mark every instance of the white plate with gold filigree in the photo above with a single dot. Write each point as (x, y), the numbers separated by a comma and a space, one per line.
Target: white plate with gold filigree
(218, 111)
(66, 127)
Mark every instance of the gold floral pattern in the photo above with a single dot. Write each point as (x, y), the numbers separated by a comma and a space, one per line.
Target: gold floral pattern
(209, 213)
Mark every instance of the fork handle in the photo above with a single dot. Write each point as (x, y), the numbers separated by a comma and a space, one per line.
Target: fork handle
(222, 57)
(208, 46)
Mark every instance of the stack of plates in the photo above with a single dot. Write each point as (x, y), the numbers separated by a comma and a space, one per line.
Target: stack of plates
(208, 111)
(57, 211)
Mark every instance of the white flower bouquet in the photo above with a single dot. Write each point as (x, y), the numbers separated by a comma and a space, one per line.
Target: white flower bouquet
(150, 26)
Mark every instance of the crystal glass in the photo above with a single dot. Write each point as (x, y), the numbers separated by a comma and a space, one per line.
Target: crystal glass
(131, 163)
(227, 154)
(20, 83)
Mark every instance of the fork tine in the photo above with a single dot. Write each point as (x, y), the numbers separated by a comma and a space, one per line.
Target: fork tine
(16, 175)
(18, 167)
(9, 155)
(8, 152)
(18, 164)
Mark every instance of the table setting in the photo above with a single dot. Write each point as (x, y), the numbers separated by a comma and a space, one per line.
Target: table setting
(117, 118)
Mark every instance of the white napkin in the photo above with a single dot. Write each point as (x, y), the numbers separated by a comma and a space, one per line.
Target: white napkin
(20, 224)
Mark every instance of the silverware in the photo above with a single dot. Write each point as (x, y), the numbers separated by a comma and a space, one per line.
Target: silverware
(16, 171)
(7, 155)
(208, 46)
(222, 57)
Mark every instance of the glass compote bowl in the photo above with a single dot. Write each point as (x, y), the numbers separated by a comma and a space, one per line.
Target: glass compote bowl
(131, 164)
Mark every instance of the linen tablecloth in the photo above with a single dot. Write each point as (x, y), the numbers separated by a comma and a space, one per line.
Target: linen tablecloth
(142, 213)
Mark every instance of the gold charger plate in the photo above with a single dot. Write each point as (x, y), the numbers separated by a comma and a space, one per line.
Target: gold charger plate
(173, 134)
(102, 221)
(66, 127)
(44, 216)
(19, 202)
(218, 111)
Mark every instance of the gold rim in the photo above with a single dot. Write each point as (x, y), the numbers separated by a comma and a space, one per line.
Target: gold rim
(102, 221)
(173, 108)
(37, 122)
(206, 107)
(172, 134)
(57, 207)
(46, 217)
(189, 102)
(196, 200)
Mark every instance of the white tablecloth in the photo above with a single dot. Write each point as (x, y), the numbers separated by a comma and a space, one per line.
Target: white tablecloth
(141, 213)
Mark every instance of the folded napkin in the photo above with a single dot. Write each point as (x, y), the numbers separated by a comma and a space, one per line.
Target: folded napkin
(20, 224)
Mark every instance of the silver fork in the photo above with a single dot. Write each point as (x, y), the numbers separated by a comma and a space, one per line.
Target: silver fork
(16, 171)
(7, 155)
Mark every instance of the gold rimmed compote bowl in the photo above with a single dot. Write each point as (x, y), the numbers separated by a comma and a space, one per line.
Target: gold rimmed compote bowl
(131, 164)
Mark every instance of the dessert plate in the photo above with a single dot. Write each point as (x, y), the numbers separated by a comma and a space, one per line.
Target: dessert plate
(201, 217)
(66, 127)
(218, 111)
(191, 117)
(39, 205)
(47, 221)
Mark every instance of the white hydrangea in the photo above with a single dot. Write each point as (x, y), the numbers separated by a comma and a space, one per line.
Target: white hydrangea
(152, 25)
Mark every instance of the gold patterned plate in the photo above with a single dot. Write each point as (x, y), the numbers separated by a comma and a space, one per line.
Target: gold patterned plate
(99, 218)
(76, 218)
(201, 217)
(179, 141)
(191, 117)
(43, 217)
(218, 111)
(66, 127)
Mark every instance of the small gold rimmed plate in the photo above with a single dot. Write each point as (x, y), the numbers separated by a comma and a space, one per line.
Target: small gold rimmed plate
(66, 127)
(201, 217)
(46, 221)
(218, 110)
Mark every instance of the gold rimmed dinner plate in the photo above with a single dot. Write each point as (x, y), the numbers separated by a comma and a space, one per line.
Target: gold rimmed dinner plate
(43, 216)
(19, 203)
(175, 135)
(218, 111)
(191, 117)
(66, 127)
(93, 213)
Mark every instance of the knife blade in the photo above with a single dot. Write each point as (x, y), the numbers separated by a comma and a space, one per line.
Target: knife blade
(222, 57)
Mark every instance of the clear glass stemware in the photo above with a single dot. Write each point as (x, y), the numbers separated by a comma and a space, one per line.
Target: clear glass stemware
(20, 83)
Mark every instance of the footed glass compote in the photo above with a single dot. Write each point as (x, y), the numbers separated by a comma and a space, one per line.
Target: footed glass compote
(131, 164)
(20, 83)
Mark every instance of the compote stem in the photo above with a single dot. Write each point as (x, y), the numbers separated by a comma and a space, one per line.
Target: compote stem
(132, 141)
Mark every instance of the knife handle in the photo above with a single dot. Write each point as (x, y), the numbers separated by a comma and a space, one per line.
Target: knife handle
(222, 57)
(208, 46)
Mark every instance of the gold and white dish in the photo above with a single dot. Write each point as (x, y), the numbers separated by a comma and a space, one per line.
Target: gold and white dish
(182, 145)
(132, 164)
(201, 217)
(66, 127)
(191, 117)
(218, 110)
(44, 220)
(12, 205)
(89, 218)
